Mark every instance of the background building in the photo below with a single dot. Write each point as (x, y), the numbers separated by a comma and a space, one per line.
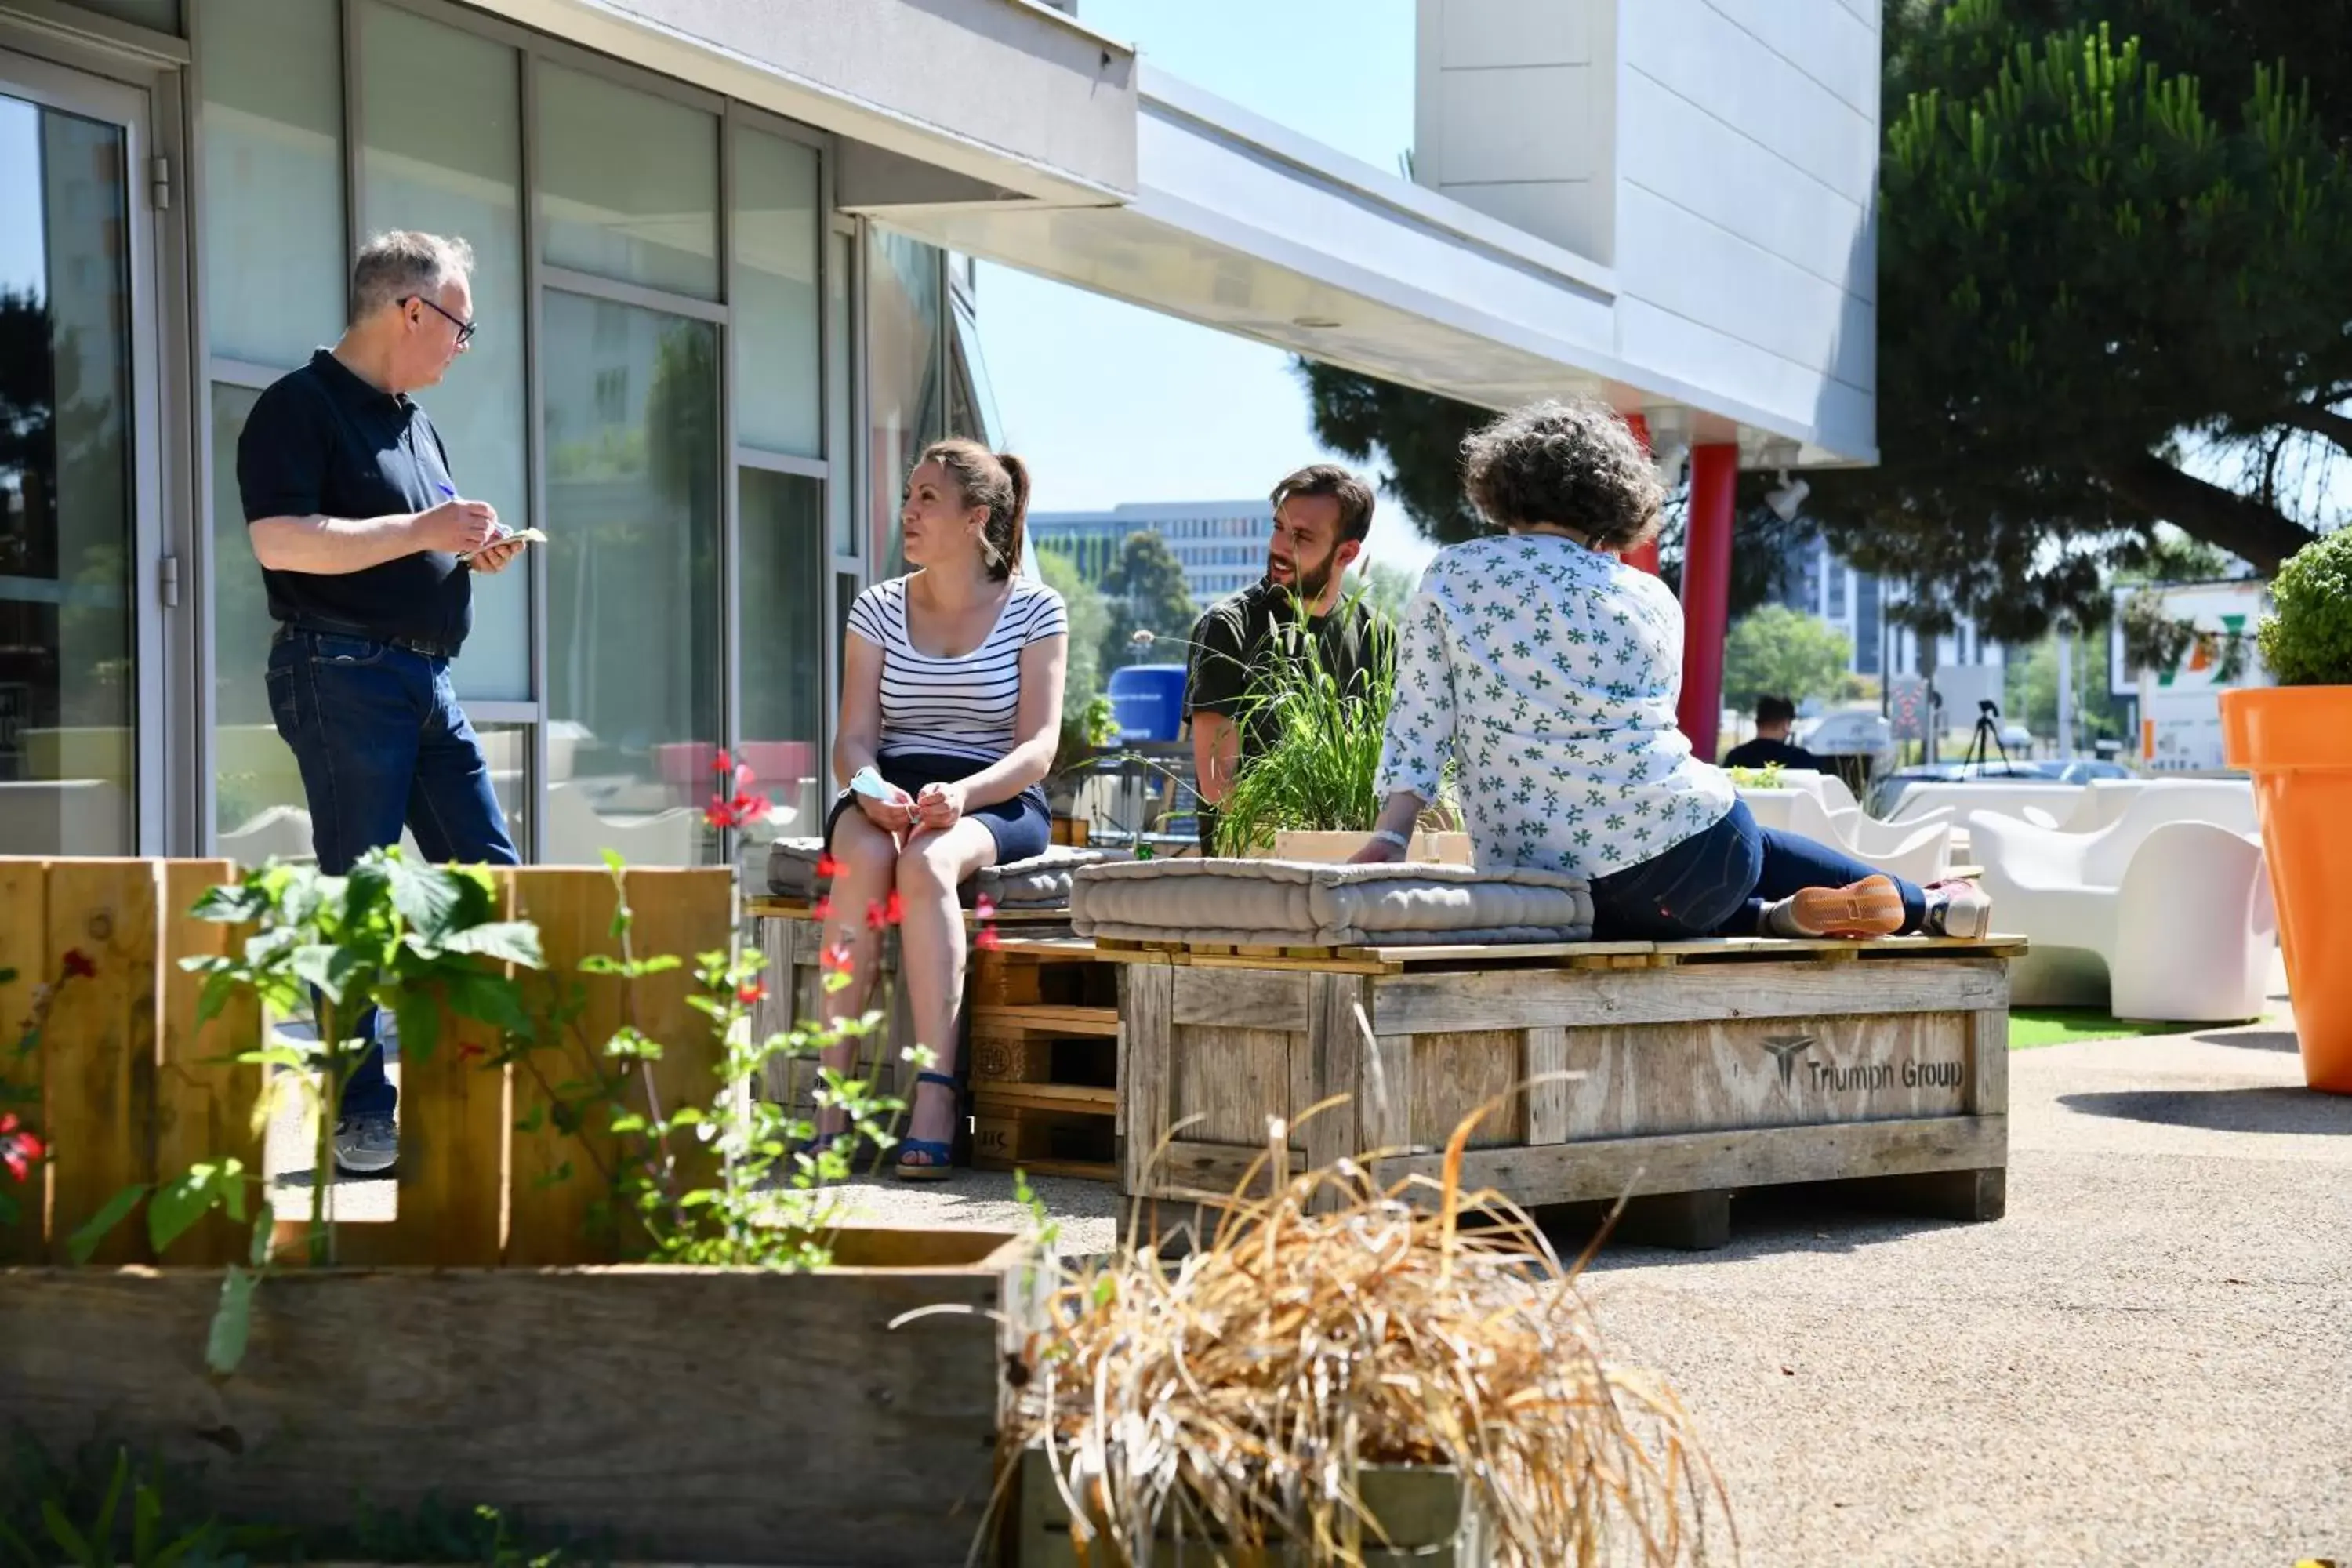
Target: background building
(1220, 544)
(1819, 583)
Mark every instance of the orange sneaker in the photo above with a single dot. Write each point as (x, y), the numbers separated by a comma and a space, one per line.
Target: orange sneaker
(1871, 907)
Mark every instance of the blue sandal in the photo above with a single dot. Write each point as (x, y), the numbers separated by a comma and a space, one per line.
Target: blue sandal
(934, 1158)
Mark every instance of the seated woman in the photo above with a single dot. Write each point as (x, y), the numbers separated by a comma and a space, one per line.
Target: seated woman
(1549, 670)
(952, 692)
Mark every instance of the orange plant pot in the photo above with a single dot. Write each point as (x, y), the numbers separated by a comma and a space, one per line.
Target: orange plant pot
(2297, 742)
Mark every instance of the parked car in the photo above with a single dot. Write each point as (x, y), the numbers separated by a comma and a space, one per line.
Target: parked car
(1887, 795)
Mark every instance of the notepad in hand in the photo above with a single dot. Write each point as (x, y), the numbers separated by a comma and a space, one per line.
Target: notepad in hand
(525, 536)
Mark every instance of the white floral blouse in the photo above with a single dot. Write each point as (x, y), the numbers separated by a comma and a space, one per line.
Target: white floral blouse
(1549, 673)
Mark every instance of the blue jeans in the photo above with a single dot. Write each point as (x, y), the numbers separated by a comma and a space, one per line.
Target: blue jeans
(383, 745)
(1717, 882)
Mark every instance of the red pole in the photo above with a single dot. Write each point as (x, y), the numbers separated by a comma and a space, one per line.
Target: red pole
(1643, 557)
(1707, 593)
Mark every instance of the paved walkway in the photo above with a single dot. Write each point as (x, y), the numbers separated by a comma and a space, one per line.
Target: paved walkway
(2148, 1361)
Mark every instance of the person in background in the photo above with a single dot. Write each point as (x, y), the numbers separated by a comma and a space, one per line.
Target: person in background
(369, 555)
(950, 709)
(1549, 669)
(1321, 516)
(1771, 747)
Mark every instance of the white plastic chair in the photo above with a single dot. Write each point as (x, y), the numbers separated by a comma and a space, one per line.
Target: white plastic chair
(1917, 852)
(2225, 803)
(2150, 917)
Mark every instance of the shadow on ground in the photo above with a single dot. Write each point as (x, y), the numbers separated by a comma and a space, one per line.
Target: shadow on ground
(2265, 1109)
(2254, 1039)
(1804, 1216)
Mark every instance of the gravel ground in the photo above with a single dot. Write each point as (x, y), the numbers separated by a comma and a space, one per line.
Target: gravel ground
(2150, 1361)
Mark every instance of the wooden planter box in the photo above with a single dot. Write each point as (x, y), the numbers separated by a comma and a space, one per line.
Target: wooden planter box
(1330, 848)
(1706, 1066)
(1420, 1511)
(691, 1414)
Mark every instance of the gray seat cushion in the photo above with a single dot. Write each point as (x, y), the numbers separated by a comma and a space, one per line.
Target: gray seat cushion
(1280, 902)
(1040, 882)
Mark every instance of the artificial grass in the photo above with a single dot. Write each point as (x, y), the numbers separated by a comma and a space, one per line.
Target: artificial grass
(2031, 1026)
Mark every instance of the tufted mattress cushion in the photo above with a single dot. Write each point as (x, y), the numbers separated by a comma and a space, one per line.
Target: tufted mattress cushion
(1275, 902)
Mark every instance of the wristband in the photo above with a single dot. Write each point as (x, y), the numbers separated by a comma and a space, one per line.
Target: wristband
(1391, 836)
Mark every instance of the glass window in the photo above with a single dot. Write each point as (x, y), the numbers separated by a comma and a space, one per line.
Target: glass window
(258, 807)
(628, 183)
(775, 319)
(68, 627)
(840, 496)
(163, 15)
(903, 373)
(441, 150)
(633, 653)
(782, 525)
(276, 256)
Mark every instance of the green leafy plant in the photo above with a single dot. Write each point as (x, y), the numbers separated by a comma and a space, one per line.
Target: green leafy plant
(1321, 772)
(1765, 777)
(2306, 640)
(772, 1204)
(51, 1517)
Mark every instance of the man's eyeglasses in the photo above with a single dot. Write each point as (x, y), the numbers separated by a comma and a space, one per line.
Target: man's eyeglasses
(464, 329)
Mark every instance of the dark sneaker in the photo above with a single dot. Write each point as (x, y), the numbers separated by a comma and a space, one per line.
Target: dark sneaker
(1959, 909)
(366, 1145)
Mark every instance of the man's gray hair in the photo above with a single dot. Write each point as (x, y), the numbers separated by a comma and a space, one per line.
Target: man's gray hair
(402, 262)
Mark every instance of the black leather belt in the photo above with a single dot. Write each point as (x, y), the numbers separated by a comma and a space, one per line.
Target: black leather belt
(319, 629)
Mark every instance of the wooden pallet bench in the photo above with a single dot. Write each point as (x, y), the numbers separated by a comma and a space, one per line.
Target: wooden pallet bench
(1040, 1047)
(1677, 1073)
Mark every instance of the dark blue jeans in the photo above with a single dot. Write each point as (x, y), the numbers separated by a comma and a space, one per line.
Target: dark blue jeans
(1717, 882)
(383, 745)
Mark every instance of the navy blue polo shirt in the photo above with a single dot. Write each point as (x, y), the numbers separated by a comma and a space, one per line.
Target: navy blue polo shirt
(322, 442)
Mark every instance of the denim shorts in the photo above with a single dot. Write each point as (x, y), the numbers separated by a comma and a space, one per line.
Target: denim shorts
(1021, 825)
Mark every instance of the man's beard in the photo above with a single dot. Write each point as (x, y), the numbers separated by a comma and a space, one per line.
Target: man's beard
(1310, 586)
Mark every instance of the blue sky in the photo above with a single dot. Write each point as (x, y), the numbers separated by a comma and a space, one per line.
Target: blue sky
(1110, 402)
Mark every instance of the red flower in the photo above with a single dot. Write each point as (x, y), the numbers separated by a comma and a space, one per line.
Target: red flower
(722, 762)
(78, 965)
(985, 908)
(874, 920)
(986, 939)
(718, 813)
(824, 910)
(18, 1149)
(828, 867)
(895, 910)
(751, 995)
(835, 959)
(470, 1049)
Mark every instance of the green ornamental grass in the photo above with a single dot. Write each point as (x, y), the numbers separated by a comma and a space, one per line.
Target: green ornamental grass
(1321, 772)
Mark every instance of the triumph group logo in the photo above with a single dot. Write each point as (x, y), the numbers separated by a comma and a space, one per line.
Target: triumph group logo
(1785, 1050)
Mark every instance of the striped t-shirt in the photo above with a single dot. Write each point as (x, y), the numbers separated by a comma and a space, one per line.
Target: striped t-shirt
(954, 707)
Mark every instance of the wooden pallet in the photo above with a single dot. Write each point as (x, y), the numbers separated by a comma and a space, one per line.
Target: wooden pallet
(1043, 1060)
(1380, 960)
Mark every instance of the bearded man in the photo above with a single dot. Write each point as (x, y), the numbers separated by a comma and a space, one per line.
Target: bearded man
(1321, 516)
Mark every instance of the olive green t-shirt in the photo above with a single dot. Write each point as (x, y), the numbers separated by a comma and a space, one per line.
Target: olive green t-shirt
(1234, 643)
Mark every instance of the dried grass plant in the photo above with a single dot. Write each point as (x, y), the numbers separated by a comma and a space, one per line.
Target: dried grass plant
(1334, 1324)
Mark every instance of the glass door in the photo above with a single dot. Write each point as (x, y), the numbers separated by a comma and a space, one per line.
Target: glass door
(76, 701)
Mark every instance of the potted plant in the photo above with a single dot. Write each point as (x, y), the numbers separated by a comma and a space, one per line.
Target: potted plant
(1350, 1373)
(2295, 739)
(1313, 793)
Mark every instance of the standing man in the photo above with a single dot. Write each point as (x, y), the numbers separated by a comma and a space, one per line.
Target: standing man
(368, 553)
(1321, 515)
(1774, 716)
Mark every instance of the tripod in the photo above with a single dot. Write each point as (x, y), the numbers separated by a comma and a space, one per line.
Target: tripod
(1986, 739)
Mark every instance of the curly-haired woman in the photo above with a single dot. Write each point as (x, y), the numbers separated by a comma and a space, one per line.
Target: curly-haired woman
(950, 707)
(1548, 671)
